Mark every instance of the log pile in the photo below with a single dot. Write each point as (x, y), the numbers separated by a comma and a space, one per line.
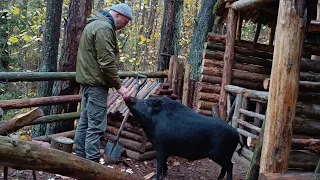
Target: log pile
(133, 137)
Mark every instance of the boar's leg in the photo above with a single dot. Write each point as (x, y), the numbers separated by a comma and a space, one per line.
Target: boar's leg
(229, 171)
(226, 168)
(161, 164)
(222, 173)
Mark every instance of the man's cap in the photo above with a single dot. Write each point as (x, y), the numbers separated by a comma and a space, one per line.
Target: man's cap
(123, 9)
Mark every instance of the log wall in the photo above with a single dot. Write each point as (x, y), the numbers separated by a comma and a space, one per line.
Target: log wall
(251, 69)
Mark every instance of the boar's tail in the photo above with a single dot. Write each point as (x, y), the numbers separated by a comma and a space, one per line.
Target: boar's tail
(240, 150)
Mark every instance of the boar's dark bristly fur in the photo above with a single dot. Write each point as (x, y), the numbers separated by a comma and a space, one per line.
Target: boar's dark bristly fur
(176, 130)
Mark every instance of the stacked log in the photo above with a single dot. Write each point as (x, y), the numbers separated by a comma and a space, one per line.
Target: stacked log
(132, 137)
(252, 65)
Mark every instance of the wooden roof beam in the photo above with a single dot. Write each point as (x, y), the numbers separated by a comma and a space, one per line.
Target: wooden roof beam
(245, 4)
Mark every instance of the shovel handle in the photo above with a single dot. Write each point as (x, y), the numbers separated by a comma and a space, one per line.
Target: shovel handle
(140, 84)
(126, 116)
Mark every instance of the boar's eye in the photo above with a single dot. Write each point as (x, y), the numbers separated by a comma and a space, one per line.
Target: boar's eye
(157, 105)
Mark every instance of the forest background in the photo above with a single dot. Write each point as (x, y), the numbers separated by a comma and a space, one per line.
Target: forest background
(42, 35)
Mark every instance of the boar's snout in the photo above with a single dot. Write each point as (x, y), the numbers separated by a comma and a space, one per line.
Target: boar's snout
(131, 101)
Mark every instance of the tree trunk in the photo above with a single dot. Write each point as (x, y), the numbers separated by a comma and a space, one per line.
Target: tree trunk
(152, 15)
(204, 25)
(27, 155)
(77, 15)
(170, 32)
(283, 93)
(4, 55)
(48, 62)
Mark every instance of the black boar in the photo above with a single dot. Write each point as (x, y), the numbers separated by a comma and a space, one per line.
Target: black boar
(176, 130)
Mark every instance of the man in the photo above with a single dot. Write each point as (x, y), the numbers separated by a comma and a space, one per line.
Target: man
(97, 72)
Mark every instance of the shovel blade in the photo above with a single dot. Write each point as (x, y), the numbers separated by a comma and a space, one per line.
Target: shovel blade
(113, 150)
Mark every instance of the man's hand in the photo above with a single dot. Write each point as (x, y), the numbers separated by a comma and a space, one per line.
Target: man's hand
(124, 92)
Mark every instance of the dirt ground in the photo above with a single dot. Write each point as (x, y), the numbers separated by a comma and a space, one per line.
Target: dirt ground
(178, 169)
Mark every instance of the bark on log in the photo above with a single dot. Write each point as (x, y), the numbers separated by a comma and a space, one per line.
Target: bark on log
(208, 88)
(208, 54)
(55, 76)
(62, 144)
(47, 138)
(289, 176)
(228, 61)
(170, 72)
(215, 110)
(186, 84)
(283, 93)
(252, 114)
(34, 102)
(128, 127)
(175, 76)
(164, 91)
(20, 121)
(149, 155)
(216, 38)
(204, 112)
(248, 125)
(302, 144)
(126, 134)
(212, 63)
(208, 96)
(303, 160)
(236, 114)
(308, 109)
(205, 105)
(20, 154)
(237, 82)
(56, 118)
(127, 143)
(247, 134)
(253, 172)
(306, 126)
(246, 4)
(247, 92)
(304, 86)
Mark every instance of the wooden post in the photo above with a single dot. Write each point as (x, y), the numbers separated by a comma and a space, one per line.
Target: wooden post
(169, 79)
(283, 93)
(239, 26)
(314, 57)
(228, 61)
(258, 30)
(272, 32)
(186, 84)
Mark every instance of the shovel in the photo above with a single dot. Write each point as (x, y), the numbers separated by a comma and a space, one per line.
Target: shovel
(114, 149)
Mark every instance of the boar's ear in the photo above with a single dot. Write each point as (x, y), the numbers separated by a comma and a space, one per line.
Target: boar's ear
(157, 105)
